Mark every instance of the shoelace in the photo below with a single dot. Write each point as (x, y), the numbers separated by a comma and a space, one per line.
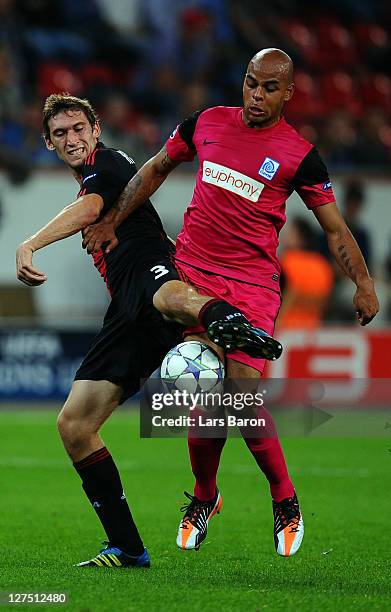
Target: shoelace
(191, 509)
(289, 514)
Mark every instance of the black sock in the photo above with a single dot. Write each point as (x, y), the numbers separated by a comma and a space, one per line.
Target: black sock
(102, 485)
(219, 310)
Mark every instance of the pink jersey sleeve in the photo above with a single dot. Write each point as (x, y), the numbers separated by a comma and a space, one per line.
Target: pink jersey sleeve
(316, 195)
(177, 148)
(312, 181)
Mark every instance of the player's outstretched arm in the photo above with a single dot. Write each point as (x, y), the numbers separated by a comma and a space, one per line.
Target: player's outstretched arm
(139, 189)
(73, 218)
(347, 253)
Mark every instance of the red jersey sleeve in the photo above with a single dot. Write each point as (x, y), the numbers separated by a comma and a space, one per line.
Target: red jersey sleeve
(312, 181)
(180, 146)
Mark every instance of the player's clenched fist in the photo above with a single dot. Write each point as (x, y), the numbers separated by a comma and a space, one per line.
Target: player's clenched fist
(366, 302)
(25, 270)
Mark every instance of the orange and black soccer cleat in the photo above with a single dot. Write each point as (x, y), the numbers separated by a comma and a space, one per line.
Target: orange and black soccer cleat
(194, 525)
(288, 526)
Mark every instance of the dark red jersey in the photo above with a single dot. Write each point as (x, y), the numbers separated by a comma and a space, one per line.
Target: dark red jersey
(245, 176)
(106, 172)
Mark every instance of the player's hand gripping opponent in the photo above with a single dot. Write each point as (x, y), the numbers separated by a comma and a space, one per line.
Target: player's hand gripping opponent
(25, 270)
(100, 236)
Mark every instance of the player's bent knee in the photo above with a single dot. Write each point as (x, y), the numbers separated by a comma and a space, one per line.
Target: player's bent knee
(175, 299)
(170, 298)
(74, 432)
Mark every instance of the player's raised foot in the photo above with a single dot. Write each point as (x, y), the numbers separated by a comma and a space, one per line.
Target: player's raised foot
(288, 526)
(194, 525)
(111, 556)
(242, 335)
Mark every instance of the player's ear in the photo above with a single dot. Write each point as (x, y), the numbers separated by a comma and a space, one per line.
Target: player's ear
(49, 144)
(289, 92)
(96, 130)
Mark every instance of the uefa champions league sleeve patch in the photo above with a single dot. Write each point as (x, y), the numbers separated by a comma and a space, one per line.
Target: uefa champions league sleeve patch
(269, 168)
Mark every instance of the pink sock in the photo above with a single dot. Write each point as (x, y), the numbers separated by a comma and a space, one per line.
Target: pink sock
(205, 458)
(268, 454)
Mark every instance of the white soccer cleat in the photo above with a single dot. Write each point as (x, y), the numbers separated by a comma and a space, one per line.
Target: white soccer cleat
(194, 525)
(288, 526)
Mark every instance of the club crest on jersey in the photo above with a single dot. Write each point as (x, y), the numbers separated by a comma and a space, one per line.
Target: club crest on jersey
(326, 186)
(269, 168)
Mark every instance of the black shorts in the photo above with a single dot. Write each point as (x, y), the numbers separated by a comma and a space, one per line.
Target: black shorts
(134, 338)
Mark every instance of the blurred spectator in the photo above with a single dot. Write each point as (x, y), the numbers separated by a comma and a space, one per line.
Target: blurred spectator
(352, 206)
(158, 19)
(307, 277)
(337, 141)
(47, 36)
(10, 93)
(353, 202)
(10, 32)
(166, 58)
(22, 137)
(197, 44)
(370, 150)
(121, 14)
(387, 271)
(195, 96)
(121, 129)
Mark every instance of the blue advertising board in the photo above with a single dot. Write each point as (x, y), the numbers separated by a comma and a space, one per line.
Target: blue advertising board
(38, 364)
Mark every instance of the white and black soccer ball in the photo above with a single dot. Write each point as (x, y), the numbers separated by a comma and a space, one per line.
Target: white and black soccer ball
(192, 366)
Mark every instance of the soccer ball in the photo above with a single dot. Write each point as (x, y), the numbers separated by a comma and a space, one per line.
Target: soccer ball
(192, 366)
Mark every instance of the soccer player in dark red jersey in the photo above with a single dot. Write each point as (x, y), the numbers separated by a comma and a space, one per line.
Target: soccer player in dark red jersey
(250, 161)
(134, 337)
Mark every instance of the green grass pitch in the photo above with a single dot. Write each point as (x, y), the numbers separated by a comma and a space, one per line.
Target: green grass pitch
(47, 525)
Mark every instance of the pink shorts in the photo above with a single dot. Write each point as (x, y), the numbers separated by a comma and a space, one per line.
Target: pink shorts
(259, 304)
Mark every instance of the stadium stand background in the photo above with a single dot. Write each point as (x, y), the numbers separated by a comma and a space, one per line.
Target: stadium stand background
(145, 64)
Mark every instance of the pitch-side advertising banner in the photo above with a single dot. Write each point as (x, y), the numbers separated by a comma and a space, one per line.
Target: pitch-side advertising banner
(38, 364)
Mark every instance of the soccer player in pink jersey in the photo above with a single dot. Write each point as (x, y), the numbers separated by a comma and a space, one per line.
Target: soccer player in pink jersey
(250, 161)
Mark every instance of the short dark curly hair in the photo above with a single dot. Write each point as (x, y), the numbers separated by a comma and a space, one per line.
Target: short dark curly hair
(56, 103)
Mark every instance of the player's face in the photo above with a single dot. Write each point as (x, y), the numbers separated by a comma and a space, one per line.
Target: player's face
(266, 88)
(72, 137)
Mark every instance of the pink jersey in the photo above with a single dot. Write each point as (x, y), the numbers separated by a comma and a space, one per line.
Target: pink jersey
(245, 176)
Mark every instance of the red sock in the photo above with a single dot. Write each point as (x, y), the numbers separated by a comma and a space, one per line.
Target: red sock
(205, 458)
(265, 447)
(268, 454)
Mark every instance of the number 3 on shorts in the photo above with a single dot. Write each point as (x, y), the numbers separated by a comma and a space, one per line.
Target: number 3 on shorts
(159, 271)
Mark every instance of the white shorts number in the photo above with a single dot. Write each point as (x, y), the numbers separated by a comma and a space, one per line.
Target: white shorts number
(159, 271)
